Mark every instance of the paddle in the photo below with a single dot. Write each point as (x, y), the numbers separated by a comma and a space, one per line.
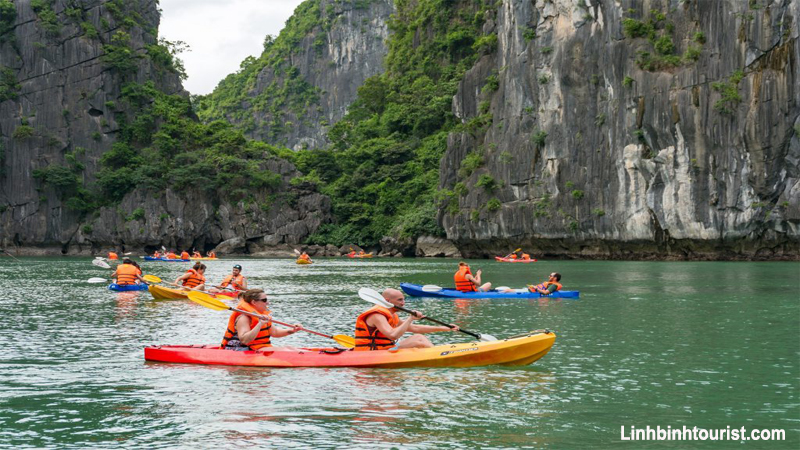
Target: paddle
(97, 280)
(515, 251)
(100, 263)
(372, 296)
(297, 252)
(208, 301)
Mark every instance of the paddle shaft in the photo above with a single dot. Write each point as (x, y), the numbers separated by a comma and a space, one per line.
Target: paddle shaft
(248, 313)
(475, 335)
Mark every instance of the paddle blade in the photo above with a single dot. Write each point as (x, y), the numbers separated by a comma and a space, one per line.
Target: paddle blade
(152, 279)
(487, 338)
(208, 301)
(101, 263)
(97, 280)
(345, 341)
(297, 252)
(373, 296)
(502, 288)
(431, 288)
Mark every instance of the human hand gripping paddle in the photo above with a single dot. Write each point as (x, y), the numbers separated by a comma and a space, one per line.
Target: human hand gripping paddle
(201, 298)
(373, 296)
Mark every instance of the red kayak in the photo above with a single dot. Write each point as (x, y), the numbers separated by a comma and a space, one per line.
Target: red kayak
(518, 260)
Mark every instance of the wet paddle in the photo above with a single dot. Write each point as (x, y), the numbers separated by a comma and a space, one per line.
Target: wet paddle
(100, 263)
(208, 301)
(372, 296)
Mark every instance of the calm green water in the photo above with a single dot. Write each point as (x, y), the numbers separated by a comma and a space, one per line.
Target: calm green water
(671, 344)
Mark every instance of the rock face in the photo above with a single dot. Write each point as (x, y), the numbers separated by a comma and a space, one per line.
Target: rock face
(334, 62)
(435, 246)
(59, 105)
(589, 153)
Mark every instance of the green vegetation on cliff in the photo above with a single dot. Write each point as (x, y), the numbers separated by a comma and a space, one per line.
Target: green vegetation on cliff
(381, 170)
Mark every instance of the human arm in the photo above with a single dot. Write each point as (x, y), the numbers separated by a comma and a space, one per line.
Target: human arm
(476, 280)
(181, 278)
(282, 332)
(414, 328)
(247, 334)
(379, 321)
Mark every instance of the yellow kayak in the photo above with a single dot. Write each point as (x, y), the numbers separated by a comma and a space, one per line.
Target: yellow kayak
(204, 259)
(303, 261)
(165, 293)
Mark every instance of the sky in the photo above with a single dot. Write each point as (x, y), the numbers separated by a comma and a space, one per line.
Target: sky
(220, 34)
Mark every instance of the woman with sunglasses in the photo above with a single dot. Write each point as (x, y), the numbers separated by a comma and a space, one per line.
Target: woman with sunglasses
(247, 332)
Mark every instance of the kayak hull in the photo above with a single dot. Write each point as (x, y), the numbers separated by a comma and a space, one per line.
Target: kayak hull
(150, 258)
(368, 255)
(165, 293)
(415, 290)
(203, 259)
(501, 259)
(303, 262)
(514, 351)
(127, 287)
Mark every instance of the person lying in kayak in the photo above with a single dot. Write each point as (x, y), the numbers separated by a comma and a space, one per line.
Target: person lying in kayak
(193, 278)
(236, 281)
(378, 328)
(466, 282)
(127, 273)
(545, 288)
(252, 333)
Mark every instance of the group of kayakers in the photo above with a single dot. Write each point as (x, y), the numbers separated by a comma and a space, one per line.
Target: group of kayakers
(184, 255)
(194, 278)
(467, 282)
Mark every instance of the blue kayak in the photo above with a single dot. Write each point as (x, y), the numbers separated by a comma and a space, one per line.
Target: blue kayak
(127, 287)
(415, 290)
(150, 258)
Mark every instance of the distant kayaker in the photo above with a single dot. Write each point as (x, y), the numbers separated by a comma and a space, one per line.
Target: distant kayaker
(127, 273)
(466, 282)
(379, 328)
(211, 255)
(548, 287)
(193, 278)
(184, 255)
(196, 254)
(304, 256)
(236, 281)
(250, 333)
(172, 255)
(112, 256)
(156, 254)
(526, 257)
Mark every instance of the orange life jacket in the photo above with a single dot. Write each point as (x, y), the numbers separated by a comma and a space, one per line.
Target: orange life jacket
(196, 255)
(514, 256)
(526, 256)
(369, 338)
(212, 255)
(112, 255)
(237, 283)
(462, 284)
(126, 274)
(156, 255)
(184, 255)
(262, 338)
(545, 285)
(196, 279)
(171, 255)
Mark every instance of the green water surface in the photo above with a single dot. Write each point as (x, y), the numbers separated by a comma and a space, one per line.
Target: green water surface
(674, 344)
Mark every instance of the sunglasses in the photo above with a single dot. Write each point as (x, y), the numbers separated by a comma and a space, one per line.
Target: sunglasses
(261, 300)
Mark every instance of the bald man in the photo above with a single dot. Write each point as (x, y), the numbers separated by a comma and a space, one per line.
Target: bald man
(379, 328)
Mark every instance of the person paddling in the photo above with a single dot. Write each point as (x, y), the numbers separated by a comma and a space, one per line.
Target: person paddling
(253, 333)
(193, 278)
(304, 256)
(196, 254)
(466, 282)
(184, 255)
(211, 255)
(236, 281)
(112, 256)
(378, 328)
(127, 273)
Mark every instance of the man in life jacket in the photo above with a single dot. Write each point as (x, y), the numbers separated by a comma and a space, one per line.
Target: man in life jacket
(127, 273)
(112, 256)
(379, 328)
(548, 287)
(526, 257)
(193, 278)
(466, 282)
(184, 255)
(236, 281)
(246, 332)
(171, 255)
(305, 256)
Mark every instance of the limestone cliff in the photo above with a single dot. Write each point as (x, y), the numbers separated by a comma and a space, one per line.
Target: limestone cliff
(63, 65)
(631, 129)
(308, 75)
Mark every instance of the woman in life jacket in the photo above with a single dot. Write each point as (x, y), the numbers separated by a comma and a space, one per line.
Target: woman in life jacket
(246, 332)
(234, 281)
(193, 278)
(466, 282)
(184, 255)
(127, 273)
(112, 256)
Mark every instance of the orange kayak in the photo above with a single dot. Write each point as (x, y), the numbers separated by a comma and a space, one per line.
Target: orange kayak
(518, 260)
(513, 351)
